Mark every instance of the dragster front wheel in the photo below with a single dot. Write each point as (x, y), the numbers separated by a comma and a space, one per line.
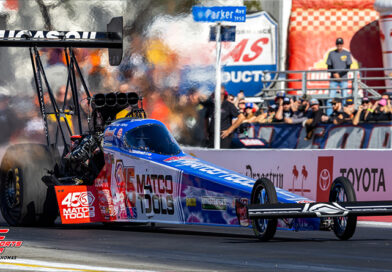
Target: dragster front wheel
(264, 192)
(343, 191)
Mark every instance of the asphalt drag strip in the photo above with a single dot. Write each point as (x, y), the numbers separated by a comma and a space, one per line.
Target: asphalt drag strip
(95, 247)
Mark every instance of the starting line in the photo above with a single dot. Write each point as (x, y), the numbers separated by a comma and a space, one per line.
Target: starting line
(34, 265)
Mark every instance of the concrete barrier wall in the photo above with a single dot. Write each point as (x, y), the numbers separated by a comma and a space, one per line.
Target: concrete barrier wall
(311, 172)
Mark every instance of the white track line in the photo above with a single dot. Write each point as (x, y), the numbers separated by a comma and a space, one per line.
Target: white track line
(34, 265)
(375, 224)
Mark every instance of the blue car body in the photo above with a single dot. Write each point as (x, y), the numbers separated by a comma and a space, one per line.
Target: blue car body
(147, 182)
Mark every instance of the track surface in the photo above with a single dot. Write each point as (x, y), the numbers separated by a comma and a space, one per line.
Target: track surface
(183, 248)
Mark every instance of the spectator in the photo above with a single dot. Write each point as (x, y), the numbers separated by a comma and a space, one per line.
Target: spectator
(349, 109)
(284, 109)
(338, 59)
(314, 118)
(241, 105)
(267, 117)
(240, 97)
(379, 111)
(259, 110)
(250, 116)
(231, 98)
(305, 103)
(389, 94)
(295, 104)
(301, 114)
(279, 97)
(338, 115)
(362, 111)
(386, 96)
(228, 113)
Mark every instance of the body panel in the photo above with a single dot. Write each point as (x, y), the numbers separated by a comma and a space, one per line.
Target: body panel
(142, 186)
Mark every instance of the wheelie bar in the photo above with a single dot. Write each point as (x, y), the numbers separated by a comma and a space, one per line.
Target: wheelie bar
(315, 209)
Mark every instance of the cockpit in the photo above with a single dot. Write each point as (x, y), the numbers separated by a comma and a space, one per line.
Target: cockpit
(153, 138)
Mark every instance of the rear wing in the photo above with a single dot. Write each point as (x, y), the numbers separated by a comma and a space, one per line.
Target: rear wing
(112, 39)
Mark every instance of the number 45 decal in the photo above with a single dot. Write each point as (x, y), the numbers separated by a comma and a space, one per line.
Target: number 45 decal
(238, 51)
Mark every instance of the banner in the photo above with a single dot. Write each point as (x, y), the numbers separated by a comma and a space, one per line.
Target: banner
(254, 51)
(310, 173)
(313, 29)
(326, 136)
(245, 62)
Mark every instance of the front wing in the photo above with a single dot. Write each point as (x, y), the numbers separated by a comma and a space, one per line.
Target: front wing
(314, 209)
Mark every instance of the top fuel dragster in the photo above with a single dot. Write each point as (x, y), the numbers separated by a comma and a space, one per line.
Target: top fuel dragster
(131, 169)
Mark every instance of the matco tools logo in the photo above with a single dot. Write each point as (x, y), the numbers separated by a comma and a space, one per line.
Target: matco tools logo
(79, 205)
(5, 244)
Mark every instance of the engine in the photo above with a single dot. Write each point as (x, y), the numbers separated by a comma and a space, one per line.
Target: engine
(85, 159)
(107, 106)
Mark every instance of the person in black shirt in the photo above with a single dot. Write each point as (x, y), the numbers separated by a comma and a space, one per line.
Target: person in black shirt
(314, 119)
(338, 115)
(360, 114)
(339, 59)
(284, 110)
(302, 113)
(380, 111)
(228, 113)
(349, 109)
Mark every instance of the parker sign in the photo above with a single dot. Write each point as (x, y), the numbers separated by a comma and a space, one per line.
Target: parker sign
(254, 52)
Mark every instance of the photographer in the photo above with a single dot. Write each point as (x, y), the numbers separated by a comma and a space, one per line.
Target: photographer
(228, 113)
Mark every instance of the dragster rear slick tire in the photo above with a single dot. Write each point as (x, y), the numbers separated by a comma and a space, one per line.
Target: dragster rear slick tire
(264, 192)
(342, 191)
(24, 197)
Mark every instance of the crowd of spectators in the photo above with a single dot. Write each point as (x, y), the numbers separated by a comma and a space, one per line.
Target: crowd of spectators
(308, 111)
(152, 70)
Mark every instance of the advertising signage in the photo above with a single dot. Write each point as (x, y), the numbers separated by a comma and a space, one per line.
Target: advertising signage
(252, 59)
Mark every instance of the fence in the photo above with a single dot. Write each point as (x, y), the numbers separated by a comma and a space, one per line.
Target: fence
(326, 136)
(362, 82)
